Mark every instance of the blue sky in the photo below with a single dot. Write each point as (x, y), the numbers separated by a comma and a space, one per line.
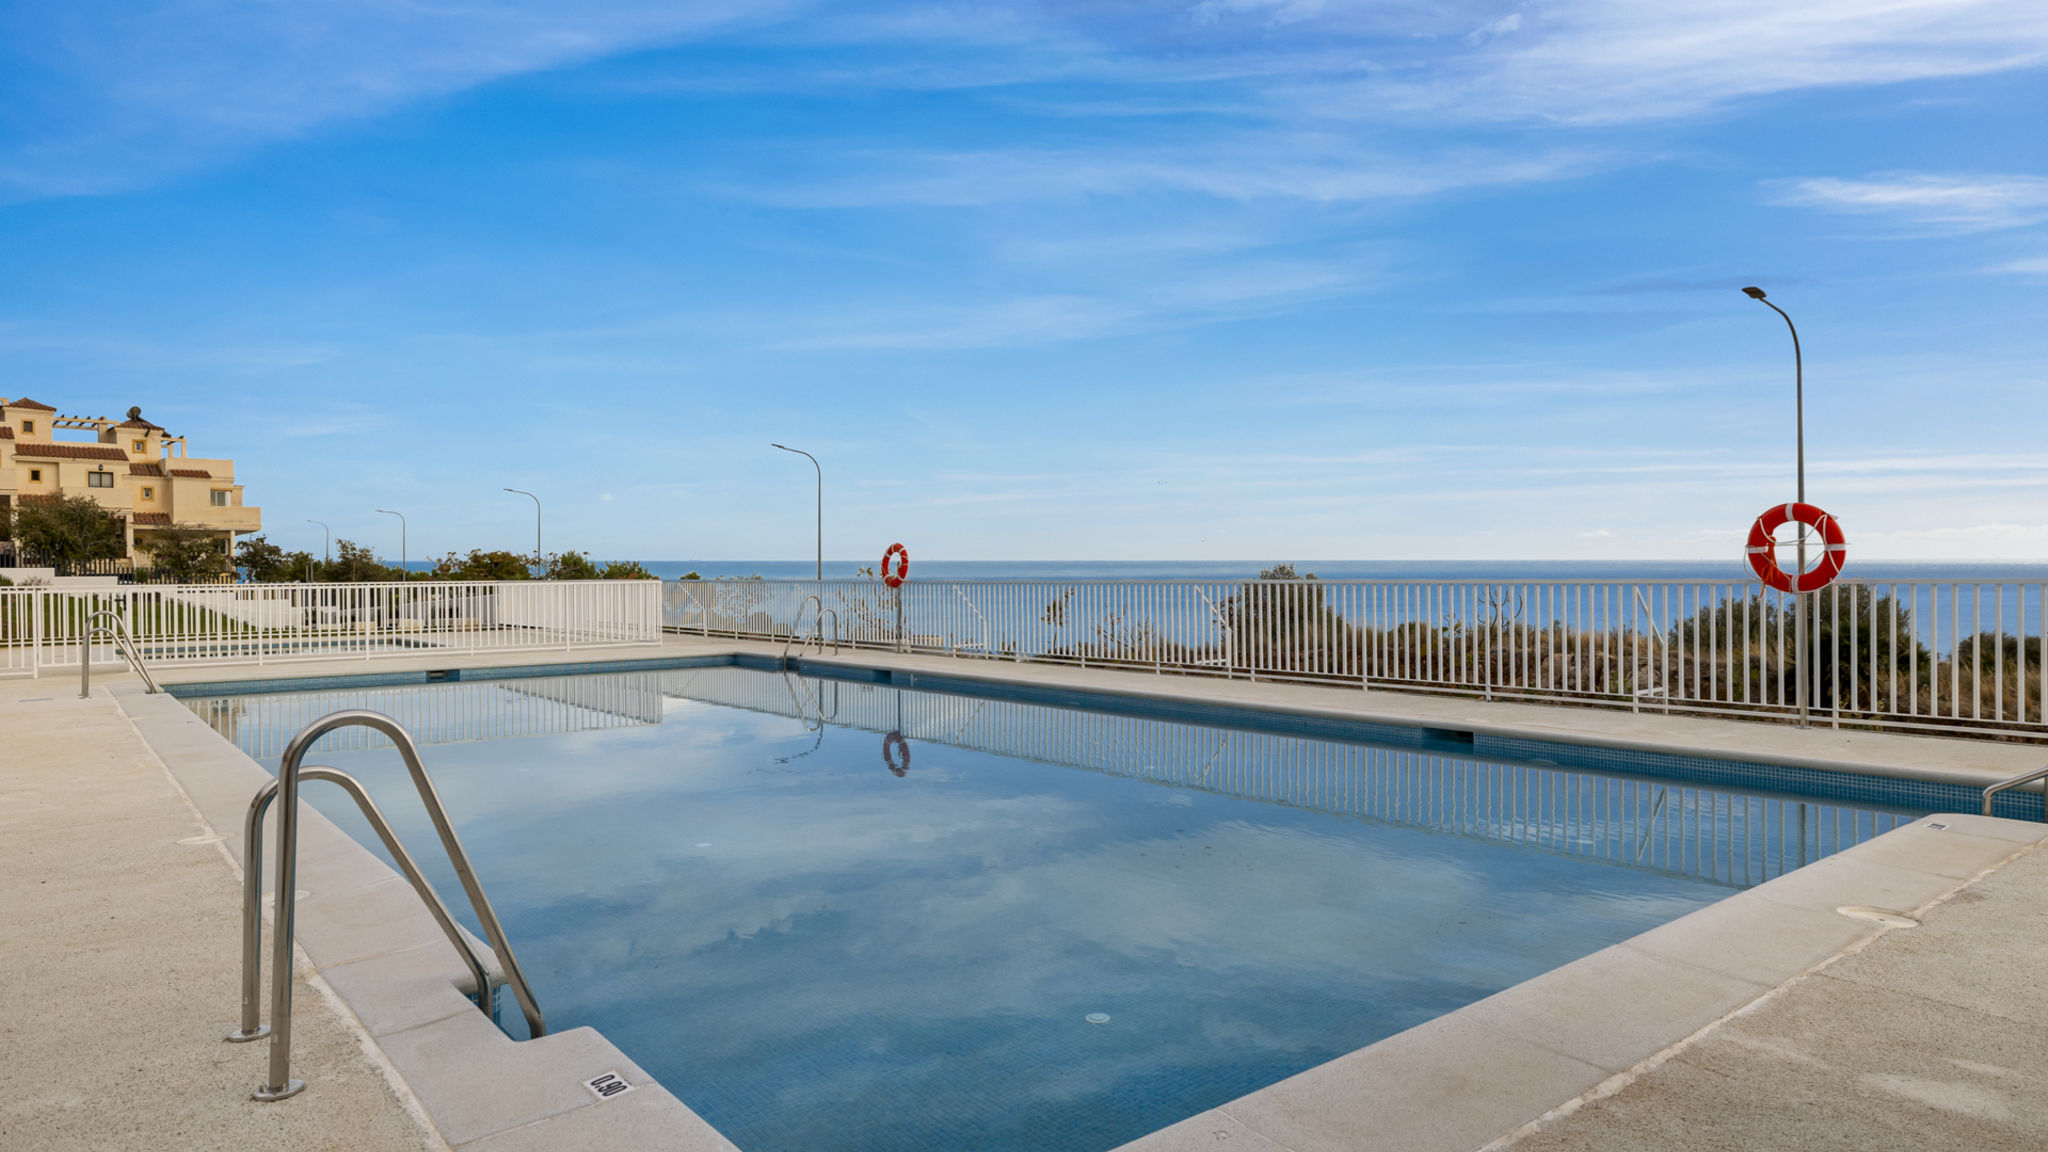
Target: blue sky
(1223, 279)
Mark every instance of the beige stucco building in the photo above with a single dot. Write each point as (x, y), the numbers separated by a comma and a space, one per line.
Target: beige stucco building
(133, 468)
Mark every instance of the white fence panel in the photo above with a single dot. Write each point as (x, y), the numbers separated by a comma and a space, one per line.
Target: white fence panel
(41, 628)
(1962, 656)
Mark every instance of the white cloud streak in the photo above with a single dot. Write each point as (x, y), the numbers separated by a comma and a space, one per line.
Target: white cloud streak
(1947, 202)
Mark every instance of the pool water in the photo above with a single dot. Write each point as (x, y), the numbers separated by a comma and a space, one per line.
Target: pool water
(833, 916)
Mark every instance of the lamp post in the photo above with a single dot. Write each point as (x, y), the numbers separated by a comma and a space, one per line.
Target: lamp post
(326, 546)
(1799, 442)
(402, 573)
(536, 521)
(821, 503)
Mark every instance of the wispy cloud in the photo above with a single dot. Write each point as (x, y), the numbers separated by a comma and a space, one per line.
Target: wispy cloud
(1620, 61)
(125, 93)
(1316, 168)
(1248, 288)
(1950, 202)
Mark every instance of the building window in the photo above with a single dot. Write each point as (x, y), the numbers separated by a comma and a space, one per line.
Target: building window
(99, 479)
(142, 445)
(149, 493)
(220, 498)
(35, 475)
(28, 425)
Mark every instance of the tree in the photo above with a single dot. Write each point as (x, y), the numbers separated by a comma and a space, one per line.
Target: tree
(355, 563)
(481, 565)
(630, 570)
(65, 530)
(183, 554)
(262, 562)
(569, 566)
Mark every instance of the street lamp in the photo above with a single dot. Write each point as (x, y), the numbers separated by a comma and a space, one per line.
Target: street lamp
(402, 573)
(821, 503)
(536, 520)
(326, 546)
(1799, 441)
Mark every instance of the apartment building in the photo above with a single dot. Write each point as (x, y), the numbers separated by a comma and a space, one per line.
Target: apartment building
(133, 468)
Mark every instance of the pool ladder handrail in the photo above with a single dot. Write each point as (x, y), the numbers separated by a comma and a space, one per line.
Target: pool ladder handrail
(123, 643)
(285, 787)
(2023, 778)
(817, 629)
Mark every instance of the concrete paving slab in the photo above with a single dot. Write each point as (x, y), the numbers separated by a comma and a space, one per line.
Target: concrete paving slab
(1755, 939)
(1448, 1084)
(406, 989)
(522, 1083)
(1920, 1038)
(1211, 1131)
(1846, 879)
(2001, 924)
(1941, 847)
(1568, 1010)
(643, 1121)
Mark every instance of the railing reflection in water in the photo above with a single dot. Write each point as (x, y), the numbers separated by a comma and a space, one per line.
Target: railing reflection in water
(447, 713)
(1720, 835)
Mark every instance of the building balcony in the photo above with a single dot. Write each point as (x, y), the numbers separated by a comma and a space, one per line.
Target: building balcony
(227, 519)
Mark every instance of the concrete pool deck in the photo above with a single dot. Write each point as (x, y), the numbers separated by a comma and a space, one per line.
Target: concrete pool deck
(1703, 1033)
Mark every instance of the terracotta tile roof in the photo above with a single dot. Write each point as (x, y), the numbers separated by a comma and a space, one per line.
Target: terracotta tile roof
(150, 519)
(6, 433)
(145, 469)
(71, 451)
(138, 422)
(25, 402)
(192, 473)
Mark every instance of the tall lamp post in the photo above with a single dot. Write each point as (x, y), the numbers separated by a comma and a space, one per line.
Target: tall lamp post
(1799, 440)
(326, 545)
(821, 503)
(402, 573)
(536, 521)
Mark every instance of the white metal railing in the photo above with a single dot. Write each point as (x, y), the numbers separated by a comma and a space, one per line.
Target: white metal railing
(1955, 656)
(41, 628)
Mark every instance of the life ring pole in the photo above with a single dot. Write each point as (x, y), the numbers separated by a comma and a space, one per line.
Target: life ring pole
(1799, 458)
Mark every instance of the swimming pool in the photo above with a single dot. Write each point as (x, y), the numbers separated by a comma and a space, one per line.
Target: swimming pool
(845, 915)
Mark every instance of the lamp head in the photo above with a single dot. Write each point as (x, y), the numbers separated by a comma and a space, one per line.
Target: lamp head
(778, 446)
(1753, 293)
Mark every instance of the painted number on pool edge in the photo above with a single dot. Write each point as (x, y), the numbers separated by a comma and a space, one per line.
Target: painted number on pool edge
(608, 1085)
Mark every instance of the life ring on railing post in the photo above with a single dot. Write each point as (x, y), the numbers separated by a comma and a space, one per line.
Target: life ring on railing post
(1763, 556)
(895, 579)
(890, 743)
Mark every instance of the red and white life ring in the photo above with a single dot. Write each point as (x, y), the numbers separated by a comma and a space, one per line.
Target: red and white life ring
(890, 744)
(895, 579)
(1763, 556)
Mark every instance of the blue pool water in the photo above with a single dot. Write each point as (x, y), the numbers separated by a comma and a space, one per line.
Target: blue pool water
(845, 916)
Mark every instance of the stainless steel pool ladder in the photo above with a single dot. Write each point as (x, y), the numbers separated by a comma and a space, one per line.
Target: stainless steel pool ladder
(289, 773)
(2023, 778)
(123, 642)
(817, 629)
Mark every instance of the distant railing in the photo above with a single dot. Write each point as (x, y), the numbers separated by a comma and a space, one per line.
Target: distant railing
(41, 628)
(1960, 656)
